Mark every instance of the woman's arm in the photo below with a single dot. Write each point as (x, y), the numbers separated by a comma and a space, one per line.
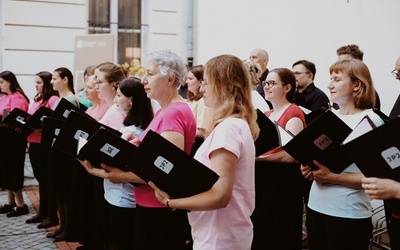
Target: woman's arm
(324, 175)
(224, 164)
(116, 175)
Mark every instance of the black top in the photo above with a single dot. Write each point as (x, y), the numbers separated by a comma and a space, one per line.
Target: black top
(183, 91)
(396, 109)
(312, 98)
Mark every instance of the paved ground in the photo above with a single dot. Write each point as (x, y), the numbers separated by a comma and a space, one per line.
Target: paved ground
(15, 234)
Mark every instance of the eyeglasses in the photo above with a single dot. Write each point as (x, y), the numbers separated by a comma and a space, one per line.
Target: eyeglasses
(203, 83)
(97, 81)
(299, 73)
(269, 84)
(396, 73)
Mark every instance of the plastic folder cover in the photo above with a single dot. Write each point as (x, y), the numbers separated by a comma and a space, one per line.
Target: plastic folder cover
(170, 168)
(321, 140)
(377, 152)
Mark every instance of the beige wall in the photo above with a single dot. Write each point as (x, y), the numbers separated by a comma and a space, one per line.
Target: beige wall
(39, 36)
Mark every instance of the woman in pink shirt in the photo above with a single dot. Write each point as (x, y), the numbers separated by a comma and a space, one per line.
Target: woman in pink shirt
(45, 97)
(13, 147)
(220, 217)
(158, 227)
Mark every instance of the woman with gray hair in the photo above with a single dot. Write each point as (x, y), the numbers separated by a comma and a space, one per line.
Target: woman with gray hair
(157, 226)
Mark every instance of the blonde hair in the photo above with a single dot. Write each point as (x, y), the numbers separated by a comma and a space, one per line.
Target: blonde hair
(227, 75)
(253, 72)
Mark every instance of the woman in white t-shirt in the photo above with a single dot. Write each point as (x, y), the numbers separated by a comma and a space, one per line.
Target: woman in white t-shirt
(339, 211)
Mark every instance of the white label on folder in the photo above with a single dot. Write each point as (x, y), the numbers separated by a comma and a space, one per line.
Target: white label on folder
(109, 149)
(56, 131)
(20, 119)
(163, 164)
(81, 133)
(66, 113)
(392, 157)
(323, 141)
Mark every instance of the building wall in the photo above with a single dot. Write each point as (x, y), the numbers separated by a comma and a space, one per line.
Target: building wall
(304, 29)
(165, 26)
(39, 36)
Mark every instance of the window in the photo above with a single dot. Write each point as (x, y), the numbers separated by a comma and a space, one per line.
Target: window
(129, 25)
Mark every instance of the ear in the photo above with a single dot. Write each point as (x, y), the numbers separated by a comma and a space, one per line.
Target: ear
(287, 88)
(357, 86)
(171, 80)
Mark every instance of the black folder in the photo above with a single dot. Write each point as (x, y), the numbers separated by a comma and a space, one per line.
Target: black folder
(37, 118)
(51, 128)
(64, 108)
(170, 168)
(17, 119)
(77, 125)
(321, 141)
(26, 122)
(268, 138)
(377, 152)
(107, 147)
(310, 116)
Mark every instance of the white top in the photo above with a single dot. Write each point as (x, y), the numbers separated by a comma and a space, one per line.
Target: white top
(258, 101)
(338, 200)
(122, 194)
(230, 227)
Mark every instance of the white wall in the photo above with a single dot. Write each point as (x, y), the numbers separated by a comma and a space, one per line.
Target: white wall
(304, 29)
(39, 36)
(165, 27)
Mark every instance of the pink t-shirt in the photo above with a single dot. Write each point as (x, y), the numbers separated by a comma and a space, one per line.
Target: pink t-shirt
(113, 118)
(177, 117)
(98, 111)
(14, 100)
(36, 136)
(230, 227)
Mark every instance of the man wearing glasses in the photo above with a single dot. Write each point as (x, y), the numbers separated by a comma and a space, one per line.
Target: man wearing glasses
(396, 107)
(307, 94)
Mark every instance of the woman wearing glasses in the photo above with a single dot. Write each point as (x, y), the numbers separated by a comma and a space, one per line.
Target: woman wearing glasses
(278, 213)
(339, 211)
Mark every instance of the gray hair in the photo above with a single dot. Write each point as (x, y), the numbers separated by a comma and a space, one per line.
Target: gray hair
(169, 64)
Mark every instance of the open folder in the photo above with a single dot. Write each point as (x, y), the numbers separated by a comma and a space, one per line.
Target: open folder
(377, 152)
(77, 125)
(321, 141)
(51, 128)
(64, 107)
(18, 118)
(268, 138)
(170, 168)
(310, 116)
(106, 147)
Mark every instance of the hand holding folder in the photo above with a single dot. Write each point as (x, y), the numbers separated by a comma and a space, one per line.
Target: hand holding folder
(170, 168)
(320, 141)
(106, 147)
(77, 125)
